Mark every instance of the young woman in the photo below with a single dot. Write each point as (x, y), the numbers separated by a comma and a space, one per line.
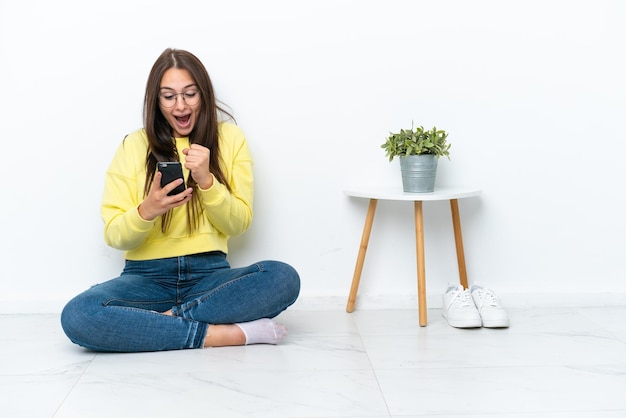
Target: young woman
(177, 290)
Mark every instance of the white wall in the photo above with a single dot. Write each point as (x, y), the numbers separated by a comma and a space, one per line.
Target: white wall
(533, 94)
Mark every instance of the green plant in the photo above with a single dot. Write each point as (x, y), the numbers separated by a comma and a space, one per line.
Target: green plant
(417, 141)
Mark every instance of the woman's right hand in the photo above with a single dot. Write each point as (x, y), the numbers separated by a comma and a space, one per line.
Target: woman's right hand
(158, 202)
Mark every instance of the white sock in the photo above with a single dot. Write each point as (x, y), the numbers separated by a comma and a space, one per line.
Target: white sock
(262, 331)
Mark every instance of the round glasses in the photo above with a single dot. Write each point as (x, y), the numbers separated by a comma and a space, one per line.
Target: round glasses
(169, 99)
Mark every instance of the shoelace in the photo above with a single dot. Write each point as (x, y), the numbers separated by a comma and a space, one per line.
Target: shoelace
(487, 297)
(464, 298)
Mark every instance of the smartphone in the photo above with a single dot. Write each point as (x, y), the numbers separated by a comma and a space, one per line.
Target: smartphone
(170, 171)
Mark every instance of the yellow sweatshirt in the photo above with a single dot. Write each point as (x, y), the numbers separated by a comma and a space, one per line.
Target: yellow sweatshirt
(226, 214)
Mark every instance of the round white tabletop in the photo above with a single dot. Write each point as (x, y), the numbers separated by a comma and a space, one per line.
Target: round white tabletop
(396, 193)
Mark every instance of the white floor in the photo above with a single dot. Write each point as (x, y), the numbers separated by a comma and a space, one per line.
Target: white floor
(553, 363)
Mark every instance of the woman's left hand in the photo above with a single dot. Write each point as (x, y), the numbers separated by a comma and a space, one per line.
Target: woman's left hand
(197, 162)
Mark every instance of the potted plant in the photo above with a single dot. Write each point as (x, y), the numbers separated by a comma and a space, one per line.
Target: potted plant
(418, 151)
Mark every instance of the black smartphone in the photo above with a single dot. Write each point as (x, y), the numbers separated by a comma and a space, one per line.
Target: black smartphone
(170, 171)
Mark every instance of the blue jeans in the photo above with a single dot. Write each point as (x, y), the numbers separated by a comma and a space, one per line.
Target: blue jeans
(123, 314)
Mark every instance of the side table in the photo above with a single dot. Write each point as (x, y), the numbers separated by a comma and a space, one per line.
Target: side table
(387, 193)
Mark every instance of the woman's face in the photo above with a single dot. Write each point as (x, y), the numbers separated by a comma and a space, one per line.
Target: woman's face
(179, 101)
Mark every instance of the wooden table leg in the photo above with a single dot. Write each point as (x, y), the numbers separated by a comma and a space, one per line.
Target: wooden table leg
(458, 240)
(421, 269)
(356, 278)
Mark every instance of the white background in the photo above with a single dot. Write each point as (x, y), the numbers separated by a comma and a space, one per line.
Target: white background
(532, 93)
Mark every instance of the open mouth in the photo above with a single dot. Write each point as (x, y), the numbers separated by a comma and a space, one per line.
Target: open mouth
(183, 120)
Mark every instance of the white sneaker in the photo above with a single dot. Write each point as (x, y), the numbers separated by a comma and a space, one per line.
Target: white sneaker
(491, 311)
(459, 308)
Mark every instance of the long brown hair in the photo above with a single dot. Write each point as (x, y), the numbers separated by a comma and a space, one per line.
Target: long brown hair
(162, 146)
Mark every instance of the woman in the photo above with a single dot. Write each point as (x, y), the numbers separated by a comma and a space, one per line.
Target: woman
(177, 290)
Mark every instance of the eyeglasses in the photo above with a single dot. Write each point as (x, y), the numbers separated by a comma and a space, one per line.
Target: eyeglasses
(190, 97)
